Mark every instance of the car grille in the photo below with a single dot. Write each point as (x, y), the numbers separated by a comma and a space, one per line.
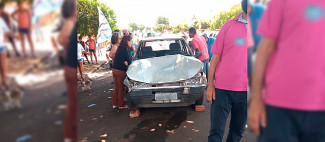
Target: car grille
(169, 84)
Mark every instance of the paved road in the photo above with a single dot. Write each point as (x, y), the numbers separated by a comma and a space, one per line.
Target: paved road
(103, 123)
(41, 116)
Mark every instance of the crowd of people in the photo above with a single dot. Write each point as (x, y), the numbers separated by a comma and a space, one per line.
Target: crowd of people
(227, 60)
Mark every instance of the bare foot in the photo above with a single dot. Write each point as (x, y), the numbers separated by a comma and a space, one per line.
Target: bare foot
(134, 113)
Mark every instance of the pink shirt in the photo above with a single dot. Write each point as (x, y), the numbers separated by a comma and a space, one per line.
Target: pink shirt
(199, 42)
(231, 45)
(295, 75)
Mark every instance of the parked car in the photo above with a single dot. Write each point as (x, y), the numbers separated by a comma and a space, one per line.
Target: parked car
(165, 73)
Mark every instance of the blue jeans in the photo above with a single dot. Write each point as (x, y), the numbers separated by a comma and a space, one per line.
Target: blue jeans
(287, 125)
(250, 54)
(206, 66)
(226, 102)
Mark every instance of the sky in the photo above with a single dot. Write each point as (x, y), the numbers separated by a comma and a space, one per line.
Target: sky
(177, 11)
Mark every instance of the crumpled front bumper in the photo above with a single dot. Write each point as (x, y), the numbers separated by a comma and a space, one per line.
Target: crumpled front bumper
(145, 97)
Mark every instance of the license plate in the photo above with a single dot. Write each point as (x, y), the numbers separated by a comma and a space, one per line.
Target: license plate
(165, 96)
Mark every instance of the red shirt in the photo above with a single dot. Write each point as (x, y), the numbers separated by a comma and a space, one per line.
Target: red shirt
(92, 44)
(200, 43)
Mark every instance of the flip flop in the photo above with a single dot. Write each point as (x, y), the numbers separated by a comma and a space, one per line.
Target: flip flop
(125, 107)
(134, 113)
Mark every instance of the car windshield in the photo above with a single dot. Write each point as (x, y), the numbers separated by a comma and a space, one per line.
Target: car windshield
(160, 45)
(157, 48)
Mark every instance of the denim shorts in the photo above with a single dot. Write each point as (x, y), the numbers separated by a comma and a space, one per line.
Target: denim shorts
(92, 50)
(80, 60)
(3, 49)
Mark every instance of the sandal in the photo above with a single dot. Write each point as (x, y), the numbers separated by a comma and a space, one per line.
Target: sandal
(134, 113)
(124, 107)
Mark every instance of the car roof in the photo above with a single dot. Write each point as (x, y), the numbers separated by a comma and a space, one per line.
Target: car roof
(161, 38)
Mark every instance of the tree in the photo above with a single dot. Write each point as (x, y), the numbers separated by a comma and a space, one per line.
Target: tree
(133, 26)
(224, 16)
(204, 24)
(88, 16)
(159, 28)
(141, 27)
(161, 24)
(196, 24)
(179, 27)
(162, 20)
(148, 28)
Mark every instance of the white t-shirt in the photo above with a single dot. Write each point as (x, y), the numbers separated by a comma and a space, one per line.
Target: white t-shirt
(80, 49)
(3, 29)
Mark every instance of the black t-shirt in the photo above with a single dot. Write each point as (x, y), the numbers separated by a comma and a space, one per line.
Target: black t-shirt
(121, 55)
(71, 59)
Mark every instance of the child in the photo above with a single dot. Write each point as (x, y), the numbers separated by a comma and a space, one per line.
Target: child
(24, 26)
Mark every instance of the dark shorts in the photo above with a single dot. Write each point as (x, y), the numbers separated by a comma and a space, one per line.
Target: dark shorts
(288, 125)
(24, 30)
(92, 50)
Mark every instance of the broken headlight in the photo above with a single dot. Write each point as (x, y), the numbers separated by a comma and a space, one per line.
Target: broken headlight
(199, 79)
(195, 81)
(140, 85)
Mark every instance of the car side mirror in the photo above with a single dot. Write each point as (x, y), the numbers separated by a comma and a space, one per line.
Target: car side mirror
(198, 54)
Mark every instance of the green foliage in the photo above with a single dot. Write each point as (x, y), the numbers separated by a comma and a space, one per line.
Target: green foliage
(159, 28)
(204, 24)
(195, 24)
(141, 27)
(148, 28)
(161, 24)
(179, 27)
(224, 16)
(88, 16)
(133, 26)
(162, 20)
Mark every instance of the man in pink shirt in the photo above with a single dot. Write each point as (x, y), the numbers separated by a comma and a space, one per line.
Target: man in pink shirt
(288, 91)
(200, 45)
(227, 82)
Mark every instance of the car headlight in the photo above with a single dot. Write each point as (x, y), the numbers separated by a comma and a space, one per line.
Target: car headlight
(197, 80)
(192, 81)
(140, 85)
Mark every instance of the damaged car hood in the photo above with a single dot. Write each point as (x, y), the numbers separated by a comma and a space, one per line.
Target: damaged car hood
(165, 69)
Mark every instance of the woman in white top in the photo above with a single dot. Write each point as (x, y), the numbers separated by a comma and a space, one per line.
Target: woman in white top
(80, 51)
(4, 32)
